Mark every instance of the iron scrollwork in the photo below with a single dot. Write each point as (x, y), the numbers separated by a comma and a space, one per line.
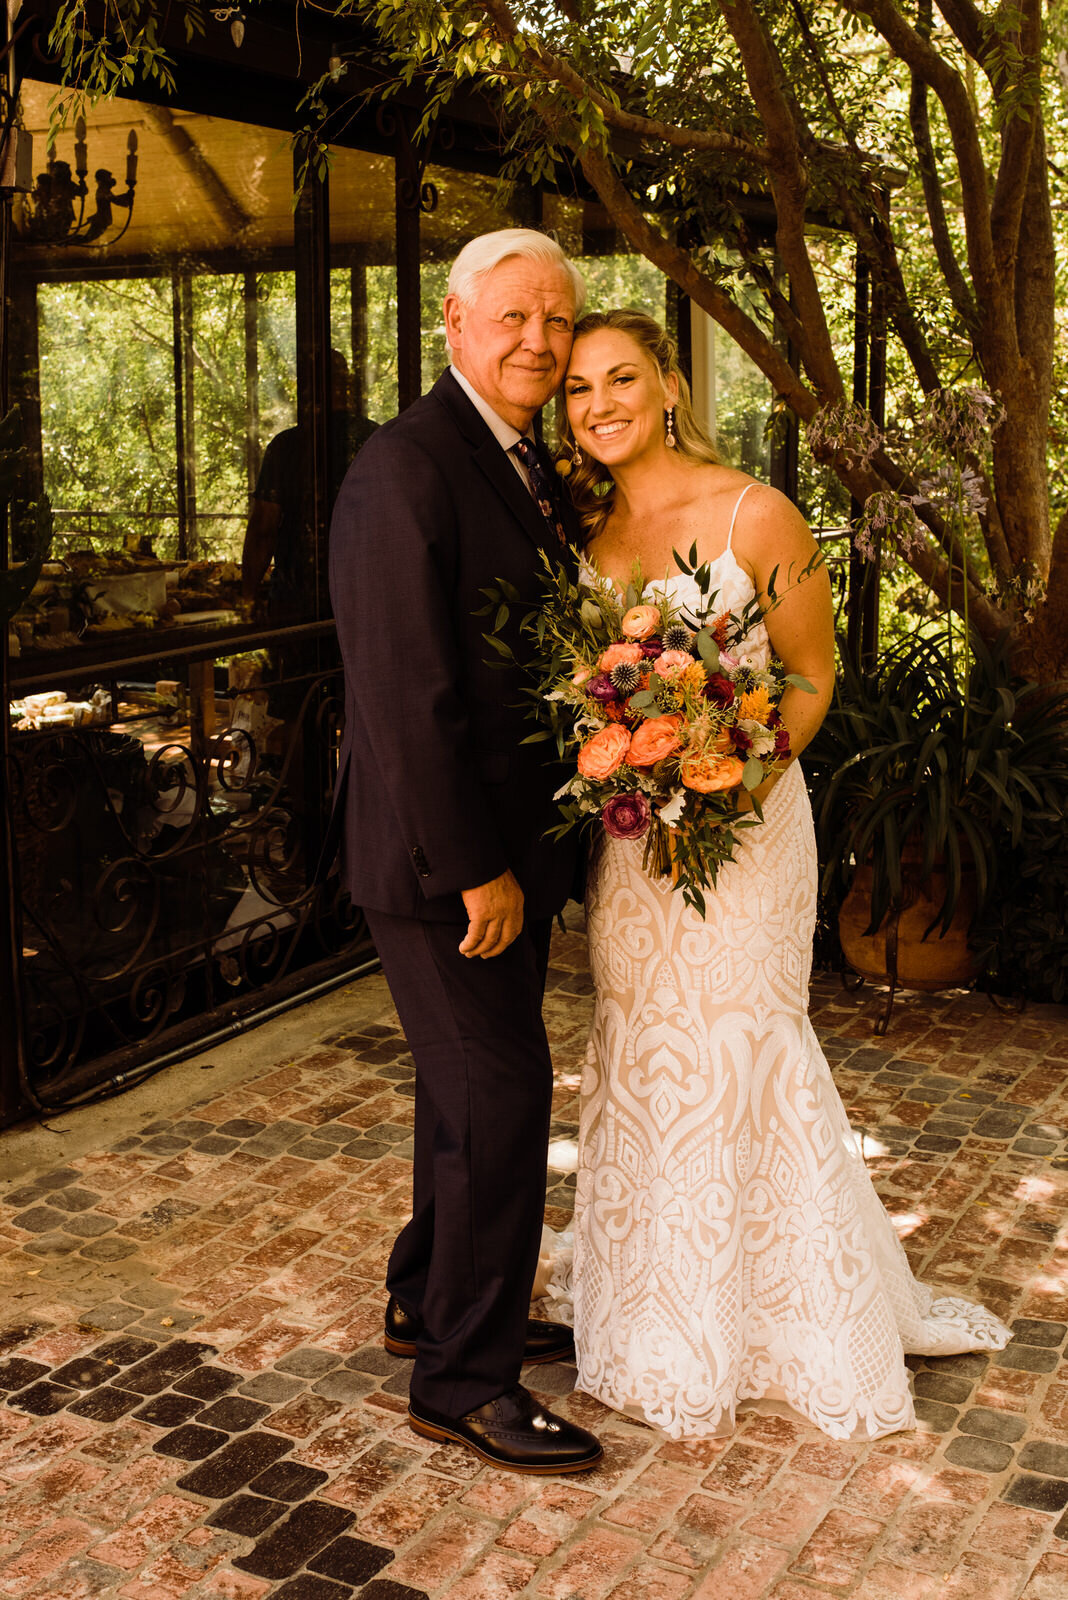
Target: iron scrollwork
(414, 191)
(158, 885)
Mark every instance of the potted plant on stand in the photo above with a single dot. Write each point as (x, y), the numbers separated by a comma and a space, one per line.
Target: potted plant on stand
(922, 777)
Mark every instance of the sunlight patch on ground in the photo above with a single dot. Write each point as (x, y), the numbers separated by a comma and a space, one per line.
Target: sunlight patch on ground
(563, 1155)
(1036, 1188)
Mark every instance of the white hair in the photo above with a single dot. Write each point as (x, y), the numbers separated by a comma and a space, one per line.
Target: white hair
(479, 257)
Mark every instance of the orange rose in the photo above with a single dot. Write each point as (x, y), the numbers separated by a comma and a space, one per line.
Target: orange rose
(601, 755)
(620, 652)
(710, 774)
(641, 622)
(653, 740)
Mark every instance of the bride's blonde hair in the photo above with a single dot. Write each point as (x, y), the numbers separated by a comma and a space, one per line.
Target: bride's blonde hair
(590, 484)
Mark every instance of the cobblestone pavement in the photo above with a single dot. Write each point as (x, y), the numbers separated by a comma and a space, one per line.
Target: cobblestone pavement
(194, 1400)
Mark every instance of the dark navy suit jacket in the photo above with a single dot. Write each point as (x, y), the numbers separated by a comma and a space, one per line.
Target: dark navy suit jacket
(437, 793)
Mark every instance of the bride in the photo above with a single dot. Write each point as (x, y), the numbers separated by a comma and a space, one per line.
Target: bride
(728, 1243)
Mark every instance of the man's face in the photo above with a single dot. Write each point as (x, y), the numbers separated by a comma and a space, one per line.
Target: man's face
(512, 343)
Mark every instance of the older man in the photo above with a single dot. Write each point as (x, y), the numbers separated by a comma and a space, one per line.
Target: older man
(444, 815)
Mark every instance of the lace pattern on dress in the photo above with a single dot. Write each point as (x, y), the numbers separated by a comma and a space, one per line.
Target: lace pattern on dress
(728, 1241)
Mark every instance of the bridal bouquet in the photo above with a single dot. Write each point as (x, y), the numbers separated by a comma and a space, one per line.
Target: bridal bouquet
(664, 715)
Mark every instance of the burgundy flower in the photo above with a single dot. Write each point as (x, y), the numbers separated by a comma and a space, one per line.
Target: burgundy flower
(720, 691)
(782, 741)
(742, 741)
(626, 816)
(602, 689)
(651, 648)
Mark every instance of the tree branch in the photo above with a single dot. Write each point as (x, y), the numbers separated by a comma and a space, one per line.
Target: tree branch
(997, 545)
(931, 68)
(919, 121)
(788, 179)
(1017, 143)
(554, 69)
(968, 24)
(875, 239)
(676, 263)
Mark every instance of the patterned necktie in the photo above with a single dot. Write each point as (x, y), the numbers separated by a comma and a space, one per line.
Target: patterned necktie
(539, 486)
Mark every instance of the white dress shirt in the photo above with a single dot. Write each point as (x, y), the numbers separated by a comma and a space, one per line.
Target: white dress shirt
(505, 435)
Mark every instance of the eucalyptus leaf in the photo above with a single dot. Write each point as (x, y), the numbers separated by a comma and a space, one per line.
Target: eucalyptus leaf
(752, 773)
(708, 650)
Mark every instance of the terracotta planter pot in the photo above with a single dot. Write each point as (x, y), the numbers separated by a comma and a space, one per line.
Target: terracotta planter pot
(897, 953)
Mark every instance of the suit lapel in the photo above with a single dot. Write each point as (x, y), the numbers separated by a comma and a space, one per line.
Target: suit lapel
(492, 461)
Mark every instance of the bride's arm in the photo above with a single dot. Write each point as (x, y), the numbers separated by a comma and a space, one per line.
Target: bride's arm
(772, 534)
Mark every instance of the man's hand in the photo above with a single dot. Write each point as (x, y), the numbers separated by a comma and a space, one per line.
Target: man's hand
(495, 916)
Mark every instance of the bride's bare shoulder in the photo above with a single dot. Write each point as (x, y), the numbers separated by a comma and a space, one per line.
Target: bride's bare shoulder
(714, 483)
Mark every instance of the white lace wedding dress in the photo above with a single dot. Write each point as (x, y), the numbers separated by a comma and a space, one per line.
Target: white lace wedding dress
(728, 1242)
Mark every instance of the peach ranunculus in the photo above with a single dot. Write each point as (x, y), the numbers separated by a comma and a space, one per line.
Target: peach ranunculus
(604, 752)
(581, 675)
(709, 774)
(671, 663)
(620, 652)
(654, 739)
(640, 622)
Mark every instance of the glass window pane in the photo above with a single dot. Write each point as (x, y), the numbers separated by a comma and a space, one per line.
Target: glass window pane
(615, 275)
(158, 340)
(363, 280)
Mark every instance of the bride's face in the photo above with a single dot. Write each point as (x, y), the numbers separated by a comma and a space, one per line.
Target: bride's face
(616, 398)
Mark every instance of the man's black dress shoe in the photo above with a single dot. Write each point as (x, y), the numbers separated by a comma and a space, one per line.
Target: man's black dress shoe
(546, 1341)
(513, 1432)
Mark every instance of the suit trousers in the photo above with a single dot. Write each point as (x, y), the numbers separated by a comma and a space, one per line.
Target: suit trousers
(465, 1263)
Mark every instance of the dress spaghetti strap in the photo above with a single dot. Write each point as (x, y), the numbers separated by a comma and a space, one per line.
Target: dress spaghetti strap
(734, 513)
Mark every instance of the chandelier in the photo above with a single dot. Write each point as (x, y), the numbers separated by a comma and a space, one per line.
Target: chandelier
(56, 212)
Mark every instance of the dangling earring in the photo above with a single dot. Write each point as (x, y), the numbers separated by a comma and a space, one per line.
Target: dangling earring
(669, 423)
(564, 466)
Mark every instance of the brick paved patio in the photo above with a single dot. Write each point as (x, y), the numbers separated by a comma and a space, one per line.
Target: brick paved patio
(194, 1401)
